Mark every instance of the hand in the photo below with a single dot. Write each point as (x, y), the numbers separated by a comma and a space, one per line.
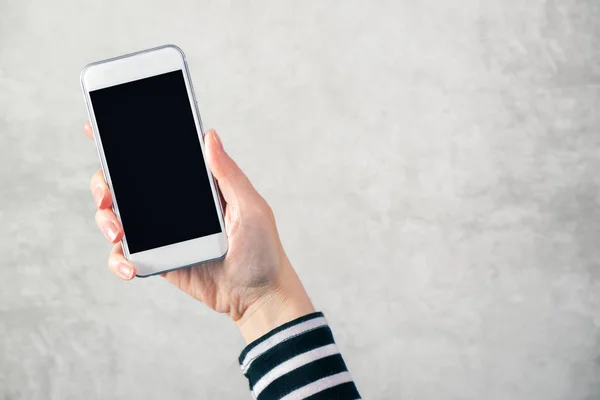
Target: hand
(255, 283)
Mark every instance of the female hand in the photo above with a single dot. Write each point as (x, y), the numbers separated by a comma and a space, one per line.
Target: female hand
(255, 283)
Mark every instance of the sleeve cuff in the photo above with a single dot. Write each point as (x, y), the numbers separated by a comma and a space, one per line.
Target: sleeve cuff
(297, 360)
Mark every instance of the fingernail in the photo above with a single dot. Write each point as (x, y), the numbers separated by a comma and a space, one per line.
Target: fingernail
(125, 270)
(217, 140)
(110, 230)
(98, 195)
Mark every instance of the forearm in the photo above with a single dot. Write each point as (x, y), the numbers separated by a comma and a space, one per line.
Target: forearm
(291, 352)
(285, 302)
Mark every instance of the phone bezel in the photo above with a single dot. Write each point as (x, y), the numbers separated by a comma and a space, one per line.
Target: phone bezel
(131, 67)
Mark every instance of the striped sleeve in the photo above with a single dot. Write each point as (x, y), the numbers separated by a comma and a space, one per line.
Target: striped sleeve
(298, 360)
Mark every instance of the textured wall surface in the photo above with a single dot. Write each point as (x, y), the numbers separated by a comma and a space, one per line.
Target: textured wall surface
(433, 166)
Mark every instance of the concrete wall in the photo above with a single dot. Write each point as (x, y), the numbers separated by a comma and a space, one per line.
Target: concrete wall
(433, 166)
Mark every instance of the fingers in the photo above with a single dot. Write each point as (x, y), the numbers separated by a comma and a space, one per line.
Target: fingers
(87, 129)
(109, 225)
(100, 191)
(107, 221)
(232, 181)
(119, 265)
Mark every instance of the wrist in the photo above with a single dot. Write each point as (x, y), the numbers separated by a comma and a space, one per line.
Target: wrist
(285, 302)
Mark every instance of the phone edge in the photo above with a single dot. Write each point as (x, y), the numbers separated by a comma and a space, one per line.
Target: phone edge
(104, 167)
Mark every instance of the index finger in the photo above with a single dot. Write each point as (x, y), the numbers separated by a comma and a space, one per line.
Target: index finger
(87, 129)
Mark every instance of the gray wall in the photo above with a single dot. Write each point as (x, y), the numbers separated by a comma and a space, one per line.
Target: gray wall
(433, 167)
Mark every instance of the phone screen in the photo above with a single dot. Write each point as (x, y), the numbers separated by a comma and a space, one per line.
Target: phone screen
(153, 154)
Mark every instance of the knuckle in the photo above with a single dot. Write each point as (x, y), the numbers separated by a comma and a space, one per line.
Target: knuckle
(94, 180)
(266, 209)
(258, 207)
(101, 216)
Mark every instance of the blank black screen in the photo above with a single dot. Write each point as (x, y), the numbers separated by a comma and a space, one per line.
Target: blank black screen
(155, 162)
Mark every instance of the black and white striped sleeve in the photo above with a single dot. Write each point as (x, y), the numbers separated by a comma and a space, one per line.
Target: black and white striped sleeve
(298, 360)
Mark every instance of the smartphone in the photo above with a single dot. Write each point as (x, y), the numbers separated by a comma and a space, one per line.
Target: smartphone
(148, 133)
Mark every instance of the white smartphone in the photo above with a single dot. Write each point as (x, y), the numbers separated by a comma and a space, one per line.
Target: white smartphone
(148, 133)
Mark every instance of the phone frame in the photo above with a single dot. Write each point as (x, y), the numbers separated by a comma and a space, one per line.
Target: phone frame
(132, 67)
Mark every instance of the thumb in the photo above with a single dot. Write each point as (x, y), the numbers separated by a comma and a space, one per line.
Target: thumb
(232, 181)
